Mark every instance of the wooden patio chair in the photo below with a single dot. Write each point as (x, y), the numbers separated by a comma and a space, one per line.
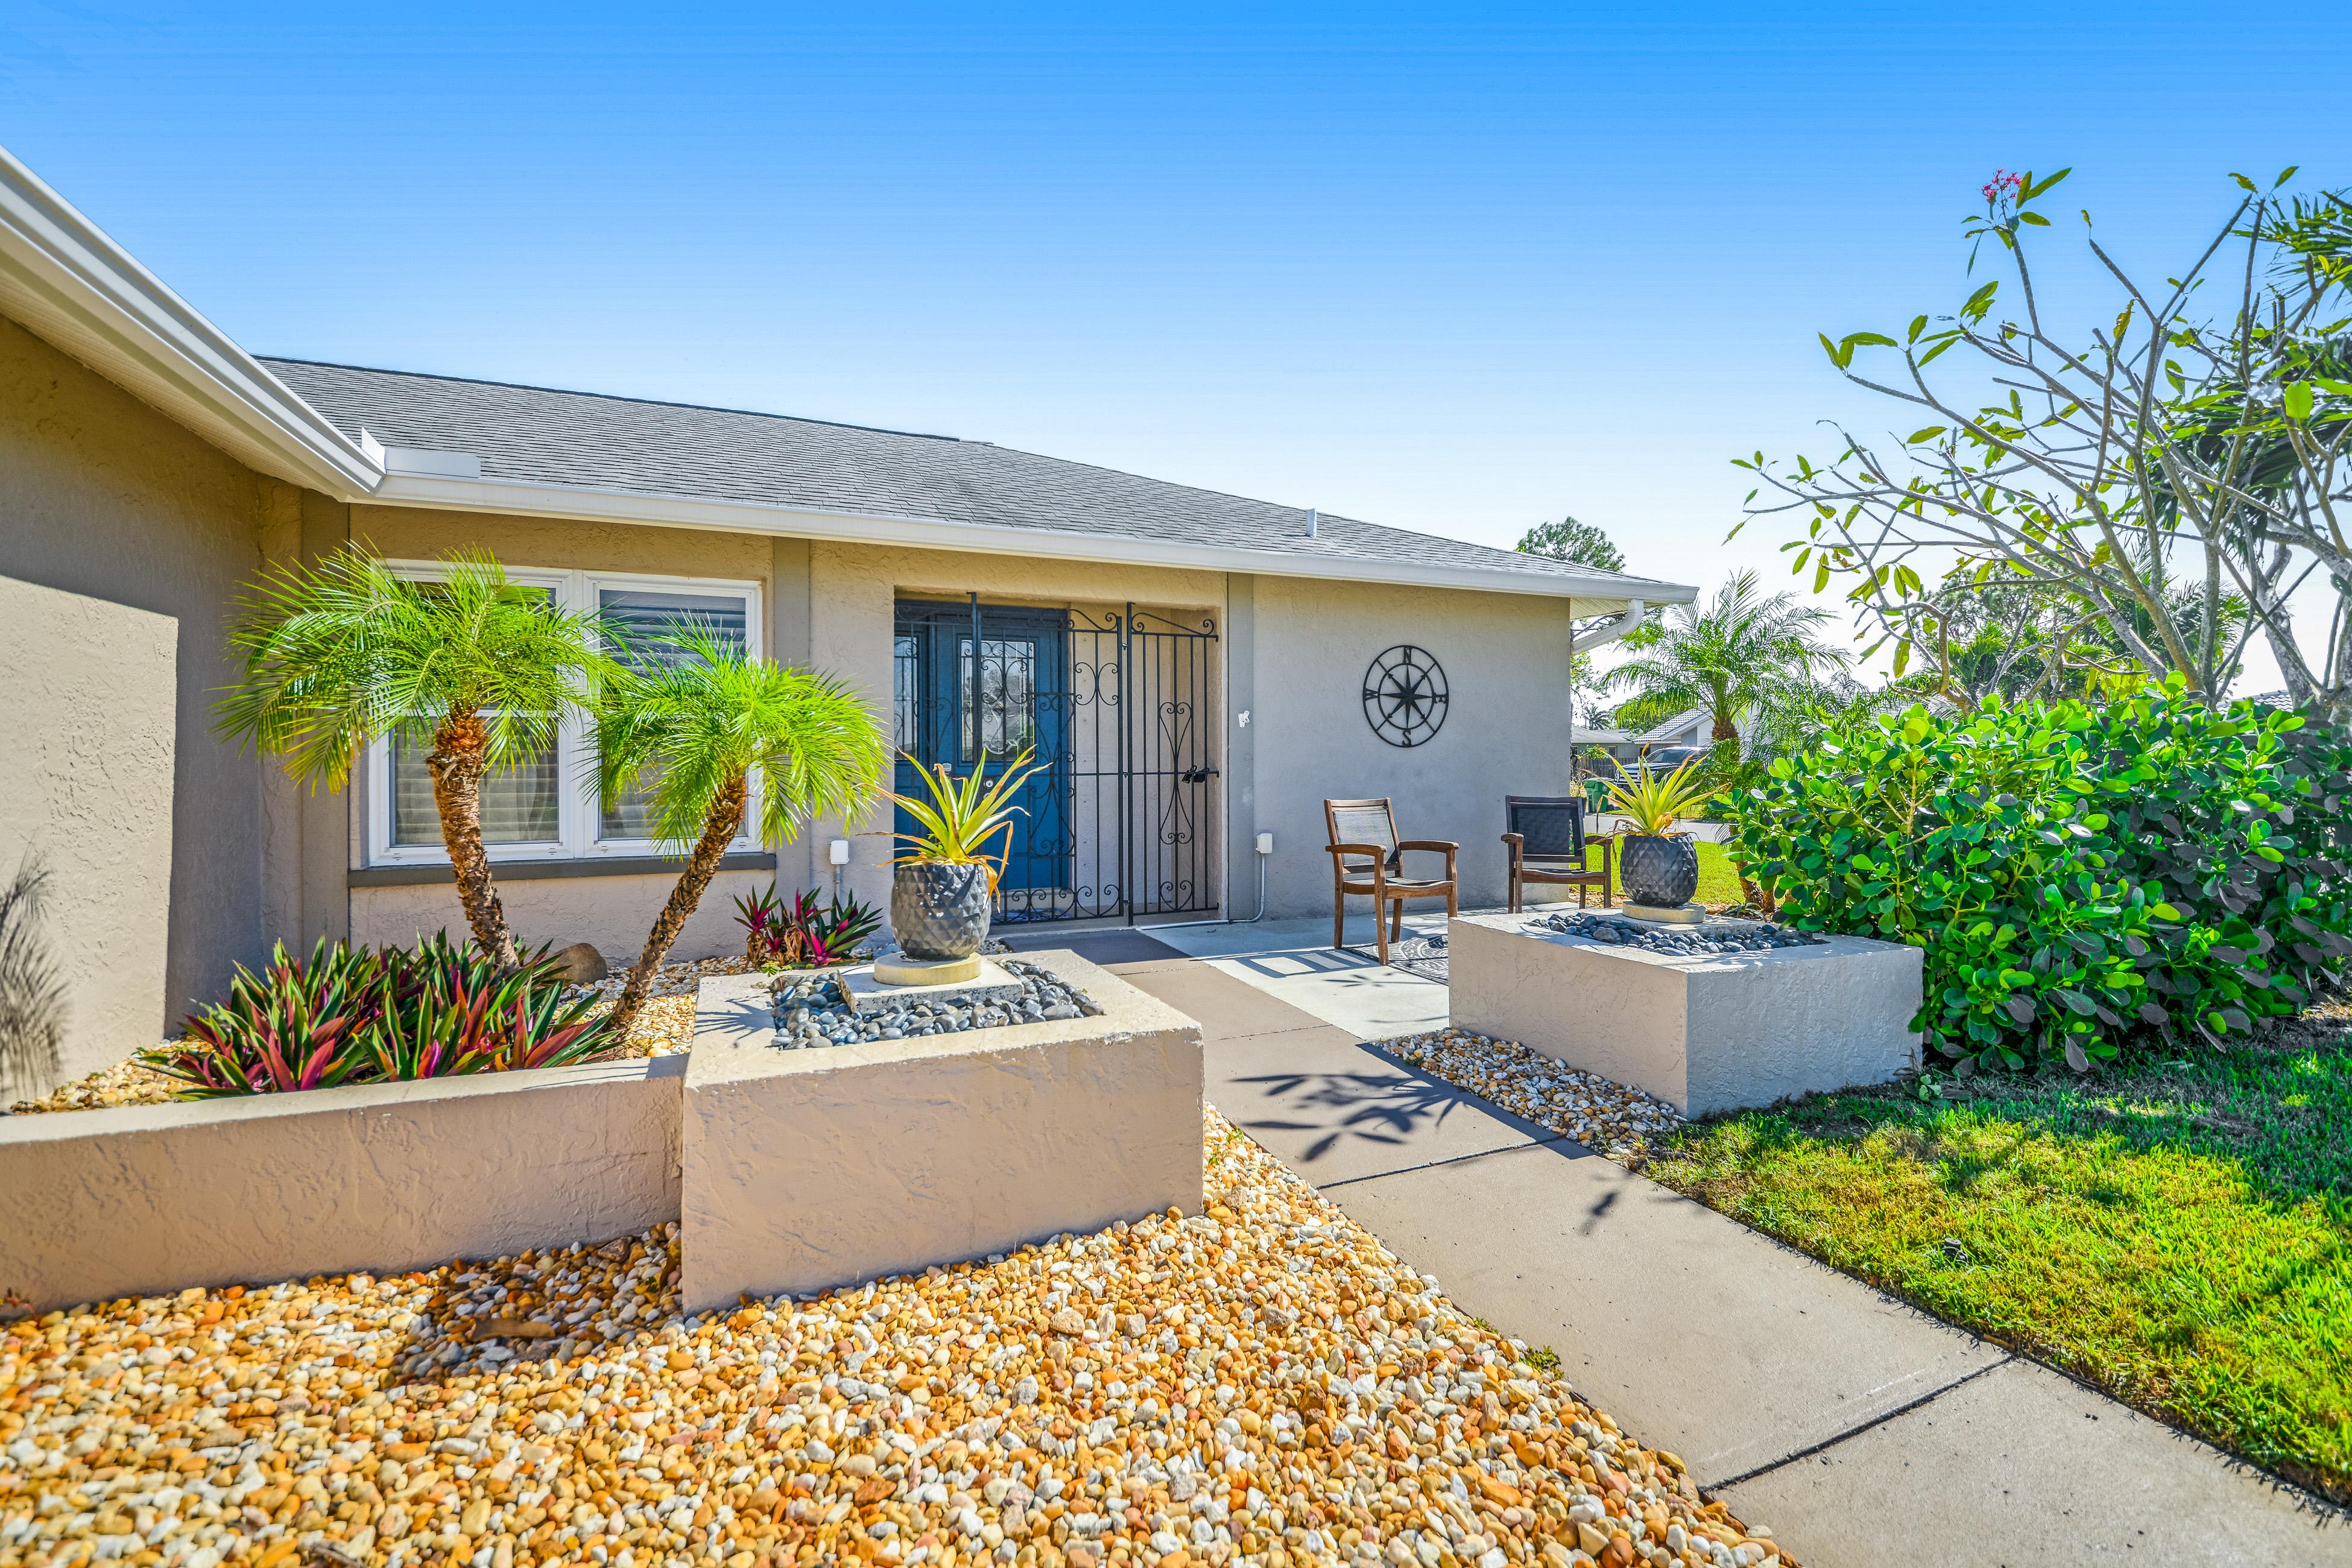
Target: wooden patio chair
(1368, 857)
(1547, 843)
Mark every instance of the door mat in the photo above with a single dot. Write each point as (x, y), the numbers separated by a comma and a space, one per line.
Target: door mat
(1421, 955)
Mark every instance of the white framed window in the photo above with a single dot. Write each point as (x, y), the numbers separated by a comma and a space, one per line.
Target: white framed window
(546, 808)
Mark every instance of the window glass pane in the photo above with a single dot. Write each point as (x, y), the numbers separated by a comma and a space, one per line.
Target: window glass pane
(520, 806)
(906, 673)
(640, 615)
(1007, 703)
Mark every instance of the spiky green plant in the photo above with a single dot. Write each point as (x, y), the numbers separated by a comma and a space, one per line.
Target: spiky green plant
(961, 815)
(474, 665)
(359, 1015)
(691, 725)
(1652, 802)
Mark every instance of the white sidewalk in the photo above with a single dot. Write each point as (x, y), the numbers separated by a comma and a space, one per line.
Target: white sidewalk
(1293, 960)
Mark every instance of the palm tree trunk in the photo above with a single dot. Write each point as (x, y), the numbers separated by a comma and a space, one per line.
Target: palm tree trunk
(719, 830)
(459, 757)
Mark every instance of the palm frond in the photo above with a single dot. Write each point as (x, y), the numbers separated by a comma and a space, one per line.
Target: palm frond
(689, 727)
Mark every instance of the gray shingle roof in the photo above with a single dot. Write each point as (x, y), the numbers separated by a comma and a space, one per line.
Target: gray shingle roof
(575, 438)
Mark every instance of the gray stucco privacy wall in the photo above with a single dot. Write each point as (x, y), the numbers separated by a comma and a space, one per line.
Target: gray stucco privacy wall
(147, 1199)
(122, 541)
(1506, 731)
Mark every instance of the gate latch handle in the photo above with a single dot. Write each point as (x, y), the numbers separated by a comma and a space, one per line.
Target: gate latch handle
(1200, 774)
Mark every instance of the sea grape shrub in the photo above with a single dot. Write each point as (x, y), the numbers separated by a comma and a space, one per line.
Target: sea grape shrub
(357, 1015)
(2083, 881)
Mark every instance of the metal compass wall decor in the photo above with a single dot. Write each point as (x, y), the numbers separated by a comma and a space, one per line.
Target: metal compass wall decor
(1404, 696)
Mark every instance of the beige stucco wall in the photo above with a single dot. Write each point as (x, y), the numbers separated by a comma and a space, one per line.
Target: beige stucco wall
(145, 1199)
(1307, 646)
(123, 540)
(899, 1154)
(611, 913)
(1506, 731)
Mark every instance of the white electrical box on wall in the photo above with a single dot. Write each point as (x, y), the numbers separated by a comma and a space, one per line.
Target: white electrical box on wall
(837, 852)
(1266, 843)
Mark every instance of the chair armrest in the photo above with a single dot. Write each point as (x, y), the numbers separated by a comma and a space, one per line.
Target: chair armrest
(1374, 850)
(1431, 846)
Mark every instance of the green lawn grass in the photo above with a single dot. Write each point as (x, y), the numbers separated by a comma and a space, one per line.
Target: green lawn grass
(2178, 1234)
(1719, 884)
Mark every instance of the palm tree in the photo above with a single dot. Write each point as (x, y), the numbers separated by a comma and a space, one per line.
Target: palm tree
(473, 665)
(687, 724)
(1743, 654)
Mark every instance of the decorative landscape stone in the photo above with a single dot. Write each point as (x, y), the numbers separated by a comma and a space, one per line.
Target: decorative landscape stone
(1688, 938)
(1704, 1031)
(1054, 1408)
(836, 1006)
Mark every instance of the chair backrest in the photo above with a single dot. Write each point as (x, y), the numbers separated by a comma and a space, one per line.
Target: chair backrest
(1551, 824)
(1364, 822)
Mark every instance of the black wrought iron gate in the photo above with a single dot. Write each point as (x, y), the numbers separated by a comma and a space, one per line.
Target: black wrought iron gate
(1118, 708)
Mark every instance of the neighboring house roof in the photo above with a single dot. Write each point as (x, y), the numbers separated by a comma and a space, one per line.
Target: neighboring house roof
(1669, 731)
(405, 440)
(579, 440)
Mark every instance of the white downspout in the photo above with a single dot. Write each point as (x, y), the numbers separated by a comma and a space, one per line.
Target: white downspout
(1609, 630)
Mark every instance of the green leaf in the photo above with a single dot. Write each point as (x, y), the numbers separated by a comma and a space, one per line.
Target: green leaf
(1929, 433)
(2038, 221)
(2296, 397)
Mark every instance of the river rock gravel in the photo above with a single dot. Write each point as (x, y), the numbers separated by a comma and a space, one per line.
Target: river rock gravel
(1263, 1384)
(810, 1011)
(1604, 1116)
(1716, 937)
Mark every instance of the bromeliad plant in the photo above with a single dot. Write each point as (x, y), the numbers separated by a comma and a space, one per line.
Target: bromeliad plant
(1653, 803)
(959, 816)
(808, 933)
(357, 1015)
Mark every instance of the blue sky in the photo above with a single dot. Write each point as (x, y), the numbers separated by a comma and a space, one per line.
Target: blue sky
(1460, 269)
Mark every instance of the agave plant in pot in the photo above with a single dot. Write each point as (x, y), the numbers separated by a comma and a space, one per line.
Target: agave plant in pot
(940, 887)
(1657, 867)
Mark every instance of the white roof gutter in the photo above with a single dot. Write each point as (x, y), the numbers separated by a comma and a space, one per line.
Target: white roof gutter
(408, 486)
(1610, 631)
(68, 283)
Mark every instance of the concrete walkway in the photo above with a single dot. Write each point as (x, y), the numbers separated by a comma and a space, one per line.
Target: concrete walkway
(1859, 1430)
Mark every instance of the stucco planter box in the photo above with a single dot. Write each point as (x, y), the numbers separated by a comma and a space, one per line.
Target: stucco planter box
(141, 1200)
(1704, 1034)
(814, 1168)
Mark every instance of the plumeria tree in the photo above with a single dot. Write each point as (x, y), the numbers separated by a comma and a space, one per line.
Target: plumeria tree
(475, 667)
(2164, 481)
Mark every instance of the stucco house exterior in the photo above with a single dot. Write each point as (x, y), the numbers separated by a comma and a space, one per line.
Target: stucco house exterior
(1194, 665)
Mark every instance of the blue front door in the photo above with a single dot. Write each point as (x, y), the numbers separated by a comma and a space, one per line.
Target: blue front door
(973, 687)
